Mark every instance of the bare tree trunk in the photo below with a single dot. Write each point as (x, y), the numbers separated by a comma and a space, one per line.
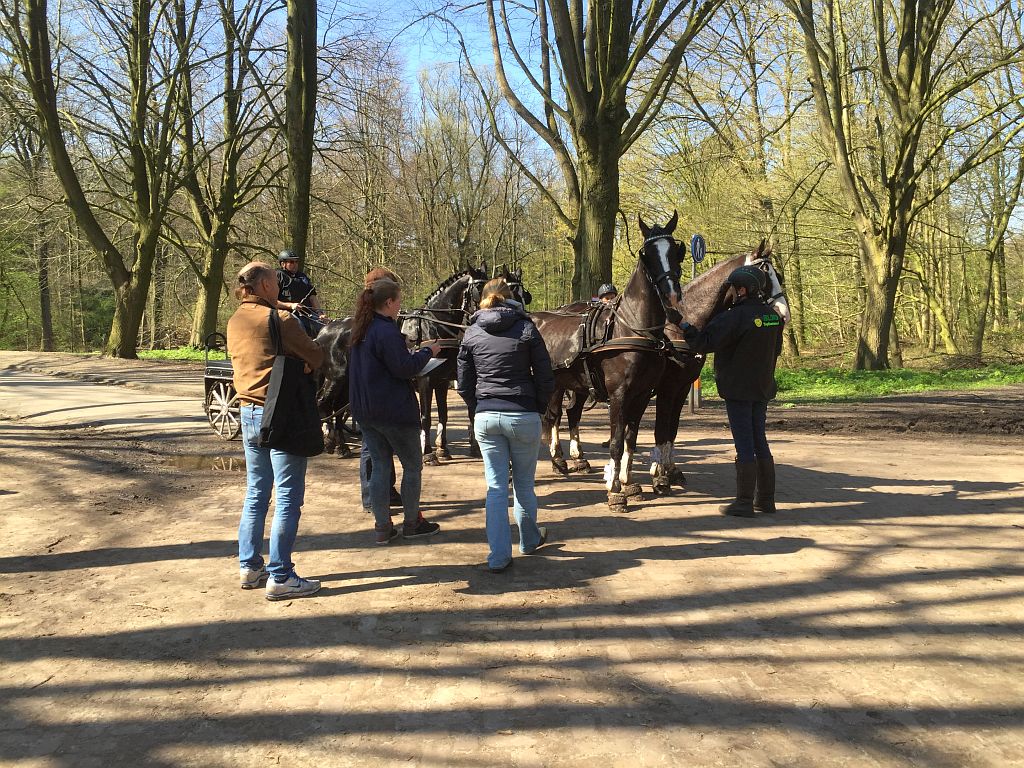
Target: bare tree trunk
(300, 114)
(595, 235)
(45, 310)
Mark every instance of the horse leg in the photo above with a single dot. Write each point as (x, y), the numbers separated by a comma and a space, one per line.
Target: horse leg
(474, 447)
(425, 393)
(631, 430)
(617, 500)
(574, 414)
(341, 448)
(669, 406)
(551, 421)
(441, 441)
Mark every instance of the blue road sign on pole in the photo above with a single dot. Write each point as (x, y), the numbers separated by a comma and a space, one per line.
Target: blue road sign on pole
(698, 249)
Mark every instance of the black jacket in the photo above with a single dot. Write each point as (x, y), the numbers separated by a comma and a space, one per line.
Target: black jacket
(503, 363)
(746, 340)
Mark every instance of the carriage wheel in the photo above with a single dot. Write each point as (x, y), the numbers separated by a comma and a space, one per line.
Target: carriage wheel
(223, 410)
(348, 424)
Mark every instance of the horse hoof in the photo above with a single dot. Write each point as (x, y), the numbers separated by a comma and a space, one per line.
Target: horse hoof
(560, 466)
(618, 502)
(444, 455)
(345, 452)
(580, 465)
(633, 491)
(430, 460)
(663, 489)
(676, 477)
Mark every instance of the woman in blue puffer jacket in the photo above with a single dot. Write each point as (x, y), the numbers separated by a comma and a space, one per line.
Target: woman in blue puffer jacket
(506, 380)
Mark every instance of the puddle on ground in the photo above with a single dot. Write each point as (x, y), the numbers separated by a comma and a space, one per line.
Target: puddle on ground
(214, 463)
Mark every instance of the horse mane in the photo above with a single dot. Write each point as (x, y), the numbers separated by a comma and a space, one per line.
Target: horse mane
(702, 295)
(448, 283)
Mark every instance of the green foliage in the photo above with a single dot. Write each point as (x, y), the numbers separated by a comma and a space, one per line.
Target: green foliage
(179, 353)
(813, 385)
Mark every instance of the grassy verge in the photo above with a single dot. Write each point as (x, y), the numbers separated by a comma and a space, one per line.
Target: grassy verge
(181, 353)
(811, 385)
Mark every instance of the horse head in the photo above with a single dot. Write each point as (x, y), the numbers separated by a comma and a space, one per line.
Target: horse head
(514, 279)
(662, 257)
(776, 293)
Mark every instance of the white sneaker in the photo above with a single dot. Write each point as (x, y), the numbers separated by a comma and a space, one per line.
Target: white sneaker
(250, 578)
(294, 587)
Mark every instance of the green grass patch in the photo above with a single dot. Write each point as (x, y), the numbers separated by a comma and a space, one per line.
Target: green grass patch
(812, 385)
(180, 353)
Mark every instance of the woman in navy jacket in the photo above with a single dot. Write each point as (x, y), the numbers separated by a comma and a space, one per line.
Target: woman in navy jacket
(506, 380)
(382, 399)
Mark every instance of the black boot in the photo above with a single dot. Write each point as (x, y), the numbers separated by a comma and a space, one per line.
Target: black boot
(746, 480)
(764, 498)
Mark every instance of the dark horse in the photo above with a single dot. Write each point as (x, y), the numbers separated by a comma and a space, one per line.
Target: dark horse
(333, 398)
(702, 298)
(442, 319)
(619, 352)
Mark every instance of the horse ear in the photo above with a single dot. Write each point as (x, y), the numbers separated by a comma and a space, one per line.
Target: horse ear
(644, 229)
(671, 226)
(518, 274)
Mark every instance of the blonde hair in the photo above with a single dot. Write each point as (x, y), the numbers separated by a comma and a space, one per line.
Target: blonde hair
(495, 292)
(251, 275)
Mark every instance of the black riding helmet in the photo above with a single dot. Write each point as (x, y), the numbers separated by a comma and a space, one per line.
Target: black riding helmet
(751, 278)
(605, 289)
(287, 255)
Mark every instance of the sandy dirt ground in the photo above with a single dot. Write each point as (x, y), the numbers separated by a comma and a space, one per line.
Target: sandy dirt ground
(877, 619)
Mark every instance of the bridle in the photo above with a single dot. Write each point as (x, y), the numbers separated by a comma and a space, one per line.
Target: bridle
(657, 278)
(765, 265)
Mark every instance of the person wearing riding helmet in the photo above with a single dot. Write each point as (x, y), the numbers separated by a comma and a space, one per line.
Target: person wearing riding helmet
(296, 291)
(504, 375)
(607, 293)
(747, 340)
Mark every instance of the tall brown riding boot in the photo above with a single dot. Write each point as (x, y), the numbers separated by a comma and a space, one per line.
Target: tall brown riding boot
(746, 481)
(764, 497)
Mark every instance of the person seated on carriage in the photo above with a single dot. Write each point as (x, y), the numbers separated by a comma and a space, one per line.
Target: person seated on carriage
(747, 340)
(607, 293)
(381, 369)
(297, 294)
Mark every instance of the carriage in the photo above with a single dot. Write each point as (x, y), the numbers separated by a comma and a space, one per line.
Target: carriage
(221, 403)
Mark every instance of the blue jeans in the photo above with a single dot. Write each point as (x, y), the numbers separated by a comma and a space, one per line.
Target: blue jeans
(746, 420)
(366, 472)
(503, 437)
(382, 441)
(268, 469)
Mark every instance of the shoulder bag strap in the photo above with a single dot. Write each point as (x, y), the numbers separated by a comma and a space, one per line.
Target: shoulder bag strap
(274, 323)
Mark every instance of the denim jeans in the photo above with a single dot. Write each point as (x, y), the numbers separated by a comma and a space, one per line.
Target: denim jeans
(366, 472)
(268, 469)
(382, 441)
(746, 420)
(503, 437)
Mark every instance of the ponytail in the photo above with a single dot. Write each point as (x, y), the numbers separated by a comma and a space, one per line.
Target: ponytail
(370, 300)
(495, 292)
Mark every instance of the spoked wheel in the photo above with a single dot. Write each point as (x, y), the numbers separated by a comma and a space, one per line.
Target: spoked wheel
(223, 410)
(348, 424)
